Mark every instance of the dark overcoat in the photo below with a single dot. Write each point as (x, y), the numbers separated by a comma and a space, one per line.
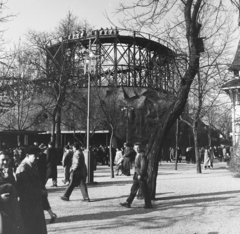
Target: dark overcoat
(30, 193)
(51, 163)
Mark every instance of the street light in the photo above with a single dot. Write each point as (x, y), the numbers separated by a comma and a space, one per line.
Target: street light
(126, 110)
(89, 57)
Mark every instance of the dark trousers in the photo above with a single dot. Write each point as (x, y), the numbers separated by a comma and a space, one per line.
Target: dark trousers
(136, 185)
(76, 180)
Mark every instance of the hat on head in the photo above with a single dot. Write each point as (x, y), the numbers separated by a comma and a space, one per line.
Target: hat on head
(33, 150)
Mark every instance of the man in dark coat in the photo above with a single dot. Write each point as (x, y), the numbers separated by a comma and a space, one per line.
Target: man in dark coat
(139, 179)
(78, 174)
(51, 164)
(67, 162)
(30, 193)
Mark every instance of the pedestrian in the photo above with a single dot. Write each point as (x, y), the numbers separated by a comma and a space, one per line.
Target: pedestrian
(67, 163)
(52, 164)
(30, 193)
(78, 174)
(171, 153)
(118, 161)
(188, 154)
(128, 159)
(9, 207)
(179, 155)
(42, 171)
(211, 158)
(139, 178)
(206, 157)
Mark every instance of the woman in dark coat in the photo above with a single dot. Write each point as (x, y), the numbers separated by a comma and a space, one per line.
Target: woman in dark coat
(9, 206)
(51, 164)
(128, 159)
(30, 193)
(42, 170)
(67, 163)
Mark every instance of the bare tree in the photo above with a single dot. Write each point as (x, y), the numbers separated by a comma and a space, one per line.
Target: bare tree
(58, 65)
(190, 14)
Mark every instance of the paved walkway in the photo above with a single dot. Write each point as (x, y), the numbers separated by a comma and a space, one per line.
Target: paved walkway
(186, 202)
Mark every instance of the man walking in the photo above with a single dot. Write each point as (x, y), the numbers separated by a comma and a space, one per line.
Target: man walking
(139, 179)
(52, 164)
(78, 175)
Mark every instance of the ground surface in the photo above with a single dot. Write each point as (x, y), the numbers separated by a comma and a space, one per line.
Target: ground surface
(186, 202)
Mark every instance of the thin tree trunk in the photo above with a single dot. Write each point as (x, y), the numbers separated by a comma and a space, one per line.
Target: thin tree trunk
(176, 150)
(110, 153)
(197, 155)
(58, 129)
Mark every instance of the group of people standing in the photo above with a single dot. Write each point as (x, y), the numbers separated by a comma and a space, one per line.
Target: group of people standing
(124, 159)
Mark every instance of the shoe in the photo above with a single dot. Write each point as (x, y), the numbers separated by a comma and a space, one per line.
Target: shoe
(64, 198)
(64, 181)
(147, 207)
(86, 200)
(125, 204)
(53, 218)
(116, 174)
(54, 185)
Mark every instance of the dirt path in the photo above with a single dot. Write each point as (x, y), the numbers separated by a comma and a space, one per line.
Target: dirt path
(186, 203)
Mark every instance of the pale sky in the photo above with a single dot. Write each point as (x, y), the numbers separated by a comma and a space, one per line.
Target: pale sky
(44, 15)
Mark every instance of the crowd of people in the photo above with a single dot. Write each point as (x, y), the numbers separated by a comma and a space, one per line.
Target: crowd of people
(207, 155)
(24, 173)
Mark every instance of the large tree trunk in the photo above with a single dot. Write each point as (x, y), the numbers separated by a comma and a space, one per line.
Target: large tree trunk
(156, 141)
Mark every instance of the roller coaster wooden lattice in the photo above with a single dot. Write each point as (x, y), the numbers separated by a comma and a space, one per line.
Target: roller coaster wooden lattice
(122, 57)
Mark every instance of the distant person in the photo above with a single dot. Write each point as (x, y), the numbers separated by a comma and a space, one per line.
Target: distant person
(188, 154)
(171, 153)
(128, 159)
(51, 164)
(30, 193)
(179, 155)
(78, 175)
(67, 163)
(118, 161)
(206, 158)
(211, 158)
(220, 153)
(139, 179)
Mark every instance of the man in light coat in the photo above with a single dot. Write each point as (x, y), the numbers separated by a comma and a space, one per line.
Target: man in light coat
(78, 174)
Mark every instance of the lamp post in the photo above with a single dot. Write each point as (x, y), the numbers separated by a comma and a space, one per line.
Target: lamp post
(126, 110)
(88, 62)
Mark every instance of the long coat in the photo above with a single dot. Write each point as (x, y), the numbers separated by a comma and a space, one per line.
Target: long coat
(30, 193)
(78, 163)
(51, 163)
(42, 171)
(10, 211)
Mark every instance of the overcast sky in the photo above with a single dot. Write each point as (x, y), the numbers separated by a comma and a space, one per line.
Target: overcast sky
(44, 15)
